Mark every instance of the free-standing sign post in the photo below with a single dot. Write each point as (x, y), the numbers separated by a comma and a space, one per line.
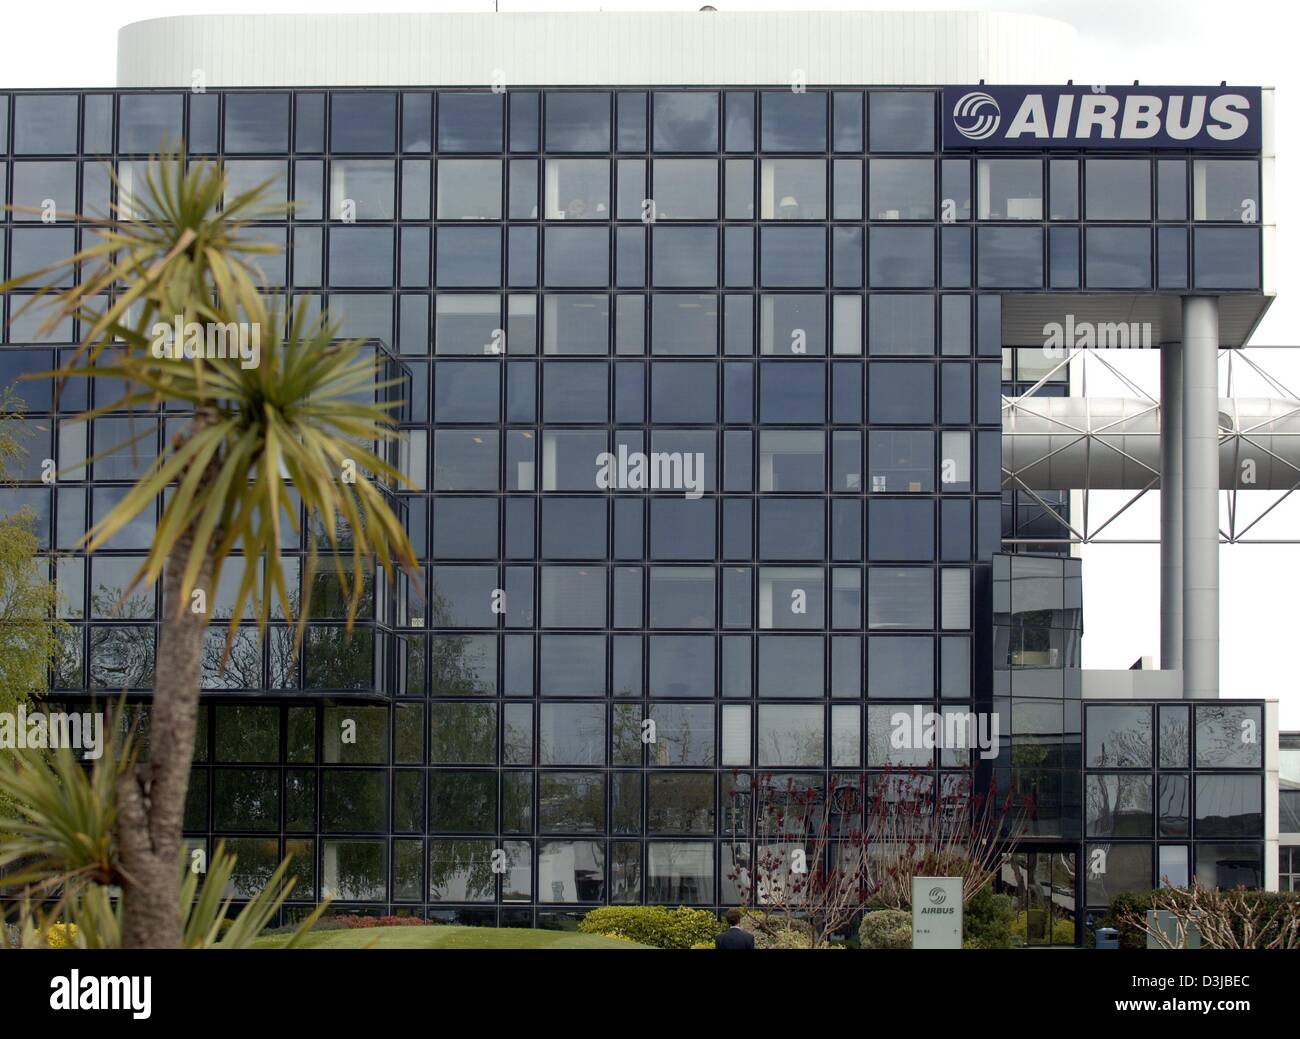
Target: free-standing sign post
(936, 912)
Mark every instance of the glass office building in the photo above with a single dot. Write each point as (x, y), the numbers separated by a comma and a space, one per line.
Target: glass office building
(703, 429)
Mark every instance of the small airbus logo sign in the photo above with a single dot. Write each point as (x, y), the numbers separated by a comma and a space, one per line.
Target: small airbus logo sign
(976, 116)
(938, 896)
(1185, 118)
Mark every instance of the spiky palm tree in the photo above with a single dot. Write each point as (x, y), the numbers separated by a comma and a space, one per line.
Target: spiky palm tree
(300, 426)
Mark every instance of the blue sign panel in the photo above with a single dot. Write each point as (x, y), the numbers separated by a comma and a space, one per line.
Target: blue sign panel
(1199, 118)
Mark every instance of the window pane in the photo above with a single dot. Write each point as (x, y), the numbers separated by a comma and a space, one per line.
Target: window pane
(1118, 737)
(902, 189)
(469, 189)
(1117, 189)
(1229, 736)
(577, 121)
(685, 189)
(1118, 806)
(257, 122)
(1229, 806)
(1010, 189)
(794, 122)
(572, 734)
(680, 873)
(46, 124)
(470, 122)
(900, 597)
(791, 736)
(577, 189)
(792, 189)
(901, 257)
(901, 121)
(1118, 257)
(363, 122)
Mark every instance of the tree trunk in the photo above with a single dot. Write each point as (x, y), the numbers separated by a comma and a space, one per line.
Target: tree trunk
(151, 799)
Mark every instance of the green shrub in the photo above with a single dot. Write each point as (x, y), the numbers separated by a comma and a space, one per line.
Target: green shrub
(1129, 937)
(986, 920)
(664, 928)
(1138, 902)
(1062, 929)
(886, 929)
(777, 931)
(786, 938)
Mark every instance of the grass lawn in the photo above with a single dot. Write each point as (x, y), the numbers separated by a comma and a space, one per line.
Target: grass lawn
(448, 937)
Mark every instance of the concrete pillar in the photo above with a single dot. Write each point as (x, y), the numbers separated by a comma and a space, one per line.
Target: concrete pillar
(1200, 497)
(1171, 507)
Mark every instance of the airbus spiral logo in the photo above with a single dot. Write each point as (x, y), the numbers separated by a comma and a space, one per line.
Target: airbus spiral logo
(938, 896)
(976, 116)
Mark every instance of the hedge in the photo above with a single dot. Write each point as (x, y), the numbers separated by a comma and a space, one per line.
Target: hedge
(1139, 902)
(664, 928)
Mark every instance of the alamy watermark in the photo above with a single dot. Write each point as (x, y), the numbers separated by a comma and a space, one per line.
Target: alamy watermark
(1059, 337)
(212, 341)
(919, 729)
(73, 991)
(657, 471)
(37, 730)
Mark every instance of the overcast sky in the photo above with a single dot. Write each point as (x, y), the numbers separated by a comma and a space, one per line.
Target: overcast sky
(1158, 41)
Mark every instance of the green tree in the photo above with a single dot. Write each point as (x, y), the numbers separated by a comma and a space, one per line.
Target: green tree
(300, 423)
(29, 633)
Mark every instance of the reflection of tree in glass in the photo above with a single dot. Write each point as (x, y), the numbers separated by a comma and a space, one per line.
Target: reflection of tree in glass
(108, 602)
(463, 733)
(676, 742)
(804, 746)
(1227, 736)
(329, 596)
(461, 869)
(453, 667)
(571, 802)
(462, 802)
(121, 658)
(517, 802)
(353, 801)
(625, 734)
(1175, 735)
(1126, 746)
(338, 659)
(247, 799)
(354, 870)
(257, 860)
(681, 802)
(241, 670)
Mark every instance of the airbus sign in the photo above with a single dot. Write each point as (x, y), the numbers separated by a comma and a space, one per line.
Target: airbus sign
(1187, 118)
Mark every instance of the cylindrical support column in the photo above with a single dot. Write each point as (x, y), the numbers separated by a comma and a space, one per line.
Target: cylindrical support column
(1200, 497)
(1171, 507)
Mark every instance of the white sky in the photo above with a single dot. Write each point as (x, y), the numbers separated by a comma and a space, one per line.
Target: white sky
(1155, 41)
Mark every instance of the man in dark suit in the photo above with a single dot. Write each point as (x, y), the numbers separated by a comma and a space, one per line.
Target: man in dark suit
(733, 937)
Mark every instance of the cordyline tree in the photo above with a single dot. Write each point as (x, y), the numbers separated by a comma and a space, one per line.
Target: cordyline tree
(304, 416)
(823, 855)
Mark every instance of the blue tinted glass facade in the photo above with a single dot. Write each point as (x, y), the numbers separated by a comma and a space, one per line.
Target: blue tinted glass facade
(702, 429)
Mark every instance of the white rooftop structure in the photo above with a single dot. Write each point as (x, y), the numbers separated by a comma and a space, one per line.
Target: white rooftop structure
(604, 48)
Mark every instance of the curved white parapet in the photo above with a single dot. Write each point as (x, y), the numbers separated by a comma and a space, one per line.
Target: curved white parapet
(596, 48)
(1113, 443)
